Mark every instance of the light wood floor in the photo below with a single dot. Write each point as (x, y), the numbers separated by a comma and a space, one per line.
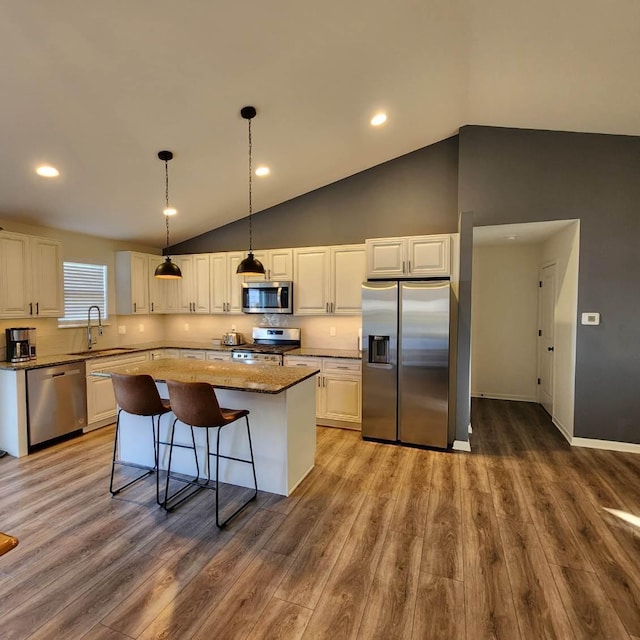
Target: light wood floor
(523, 538)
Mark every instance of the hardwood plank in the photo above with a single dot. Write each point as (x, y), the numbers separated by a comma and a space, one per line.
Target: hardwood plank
(473, 473)
(489, 608)
(193, 604)
(391, 470)
(538, 608)
(340, 609)
(587, 605)
(508, 498)
(440, 609)
(100, 632)
(392, 598)
(140, 608)
(556, 536)
(442, 544)
(446, 471)
(615, 569)
(82, 614)
(245, 601)
(281, 621)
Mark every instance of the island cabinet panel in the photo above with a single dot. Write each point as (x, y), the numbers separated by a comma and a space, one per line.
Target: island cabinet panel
(283, 432)
(31, 281)
(409, 257)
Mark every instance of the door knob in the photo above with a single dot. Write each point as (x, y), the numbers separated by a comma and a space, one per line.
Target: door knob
(549, 348)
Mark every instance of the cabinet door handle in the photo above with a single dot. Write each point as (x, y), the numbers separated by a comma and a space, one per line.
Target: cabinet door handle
(31, 308)
(37, 308)
(403, 267)
(326, 307)
(135, 307)
(152, 306)
(332, 307)
(409, 266)
(318, 381)
(342, 367)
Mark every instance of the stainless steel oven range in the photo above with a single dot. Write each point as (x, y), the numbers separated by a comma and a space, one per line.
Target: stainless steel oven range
(268, 346)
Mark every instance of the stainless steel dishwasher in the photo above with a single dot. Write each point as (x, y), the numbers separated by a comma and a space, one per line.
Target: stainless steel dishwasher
(56, 401)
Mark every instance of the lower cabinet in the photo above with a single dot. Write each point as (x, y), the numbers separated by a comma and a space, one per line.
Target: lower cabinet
(101, 402)
(338, 390)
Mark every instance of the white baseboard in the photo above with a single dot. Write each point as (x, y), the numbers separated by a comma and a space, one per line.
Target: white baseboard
(503, 396)
(470, 429)
(562, 429)
(608, 445)
(461, 445)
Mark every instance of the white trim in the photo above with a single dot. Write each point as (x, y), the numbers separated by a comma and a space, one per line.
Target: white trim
(470, 430)
(461, 445)
(607, 445)
(503, 396)
(561, 428)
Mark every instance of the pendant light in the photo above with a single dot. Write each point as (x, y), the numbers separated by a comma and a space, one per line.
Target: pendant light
(167, 270)
(250, 266)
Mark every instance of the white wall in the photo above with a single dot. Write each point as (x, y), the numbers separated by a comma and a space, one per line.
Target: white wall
(504, 312)
(563, 249)
(315, 330)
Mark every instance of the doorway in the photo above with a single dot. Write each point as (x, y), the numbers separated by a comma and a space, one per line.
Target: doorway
(546, 333)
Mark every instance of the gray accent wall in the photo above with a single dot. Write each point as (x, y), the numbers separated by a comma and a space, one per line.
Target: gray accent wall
(515, 175)
(412, 195)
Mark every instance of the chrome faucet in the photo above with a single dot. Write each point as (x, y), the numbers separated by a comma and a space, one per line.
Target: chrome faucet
(89, 334)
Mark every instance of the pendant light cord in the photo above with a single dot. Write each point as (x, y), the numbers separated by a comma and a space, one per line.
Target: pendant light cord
(166, 195)
(250, 203)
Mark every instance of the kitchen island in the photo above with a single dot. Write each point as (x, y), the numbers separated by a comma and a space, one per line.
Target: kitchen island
(283, 429)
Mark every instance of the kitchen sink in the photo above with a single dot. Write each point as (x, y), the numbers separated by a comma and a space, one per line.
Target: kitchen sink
(102, 352)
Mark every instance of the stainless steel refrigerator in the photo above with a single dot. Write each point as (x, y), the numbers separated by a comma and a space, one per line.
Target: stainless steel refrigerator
(405, 361)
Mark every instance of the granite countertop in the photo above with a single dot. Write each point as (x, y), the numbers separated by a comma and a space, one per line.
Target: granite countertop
(110, 352)
(222, 375)
(349, 354)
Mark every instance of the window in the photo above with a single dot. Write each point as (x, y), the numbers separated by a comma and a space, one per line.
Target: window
(84, 285)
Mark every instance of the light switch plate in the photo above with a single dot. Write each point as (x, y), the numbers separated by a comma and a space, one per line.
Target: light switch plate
(591, 317)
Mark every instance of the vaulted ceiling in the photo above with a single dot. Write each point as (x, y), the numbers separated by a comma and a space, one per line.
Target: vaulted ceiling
(98, 88)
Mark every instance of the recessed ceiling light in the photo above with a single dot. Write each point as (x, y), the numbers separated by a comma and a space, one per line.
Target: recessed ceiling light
(510, 237)
(170, 211)
(378, 119)
(47, 171)
(262, 171)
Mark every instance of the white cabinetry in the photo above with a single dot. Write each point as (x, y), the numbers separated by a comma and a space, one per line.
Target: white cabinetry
(338, 389)
(226, 284)
(219, 356)
(194, 286)
(329, 280)
(416, 256)
(132, 282)
(101, 401)
(278, 265)
(163, 293)
(31, 278)
(193, 354)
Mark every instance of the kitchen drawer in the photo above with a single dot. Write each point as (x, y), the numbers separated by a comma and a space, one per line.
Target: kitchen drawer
(107, 363)
(219, 356)
(335, 365)
(193, 354)
(294, 361)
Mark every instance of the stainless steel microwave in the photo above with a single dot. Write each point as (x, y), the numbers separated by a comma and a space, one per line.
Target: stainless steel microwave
(267, 297)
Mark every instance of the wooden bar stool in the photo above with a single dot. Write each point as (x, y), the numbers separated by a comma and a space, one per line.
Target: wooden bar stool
(195, 404)
(138, 395)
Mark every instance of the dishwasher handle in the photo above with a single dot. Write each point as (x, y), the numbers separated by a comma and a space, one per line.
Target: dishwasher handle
(65, 373)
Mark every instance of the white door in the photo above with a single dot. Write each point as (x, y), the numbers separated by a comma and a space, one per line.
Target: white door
(546, 346)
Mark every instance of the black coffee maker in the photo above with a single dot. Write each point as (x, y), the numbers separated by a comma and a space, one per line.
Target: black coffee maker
(21, 344)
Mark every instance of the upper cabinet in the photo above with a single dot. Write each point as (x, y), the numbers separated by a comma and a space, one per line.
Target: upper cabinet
(31, 278)
(416, 256)
(132, 282)
(163, 293)
(194, 286)
(278, 265)
(225, 284)
(328, 280)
